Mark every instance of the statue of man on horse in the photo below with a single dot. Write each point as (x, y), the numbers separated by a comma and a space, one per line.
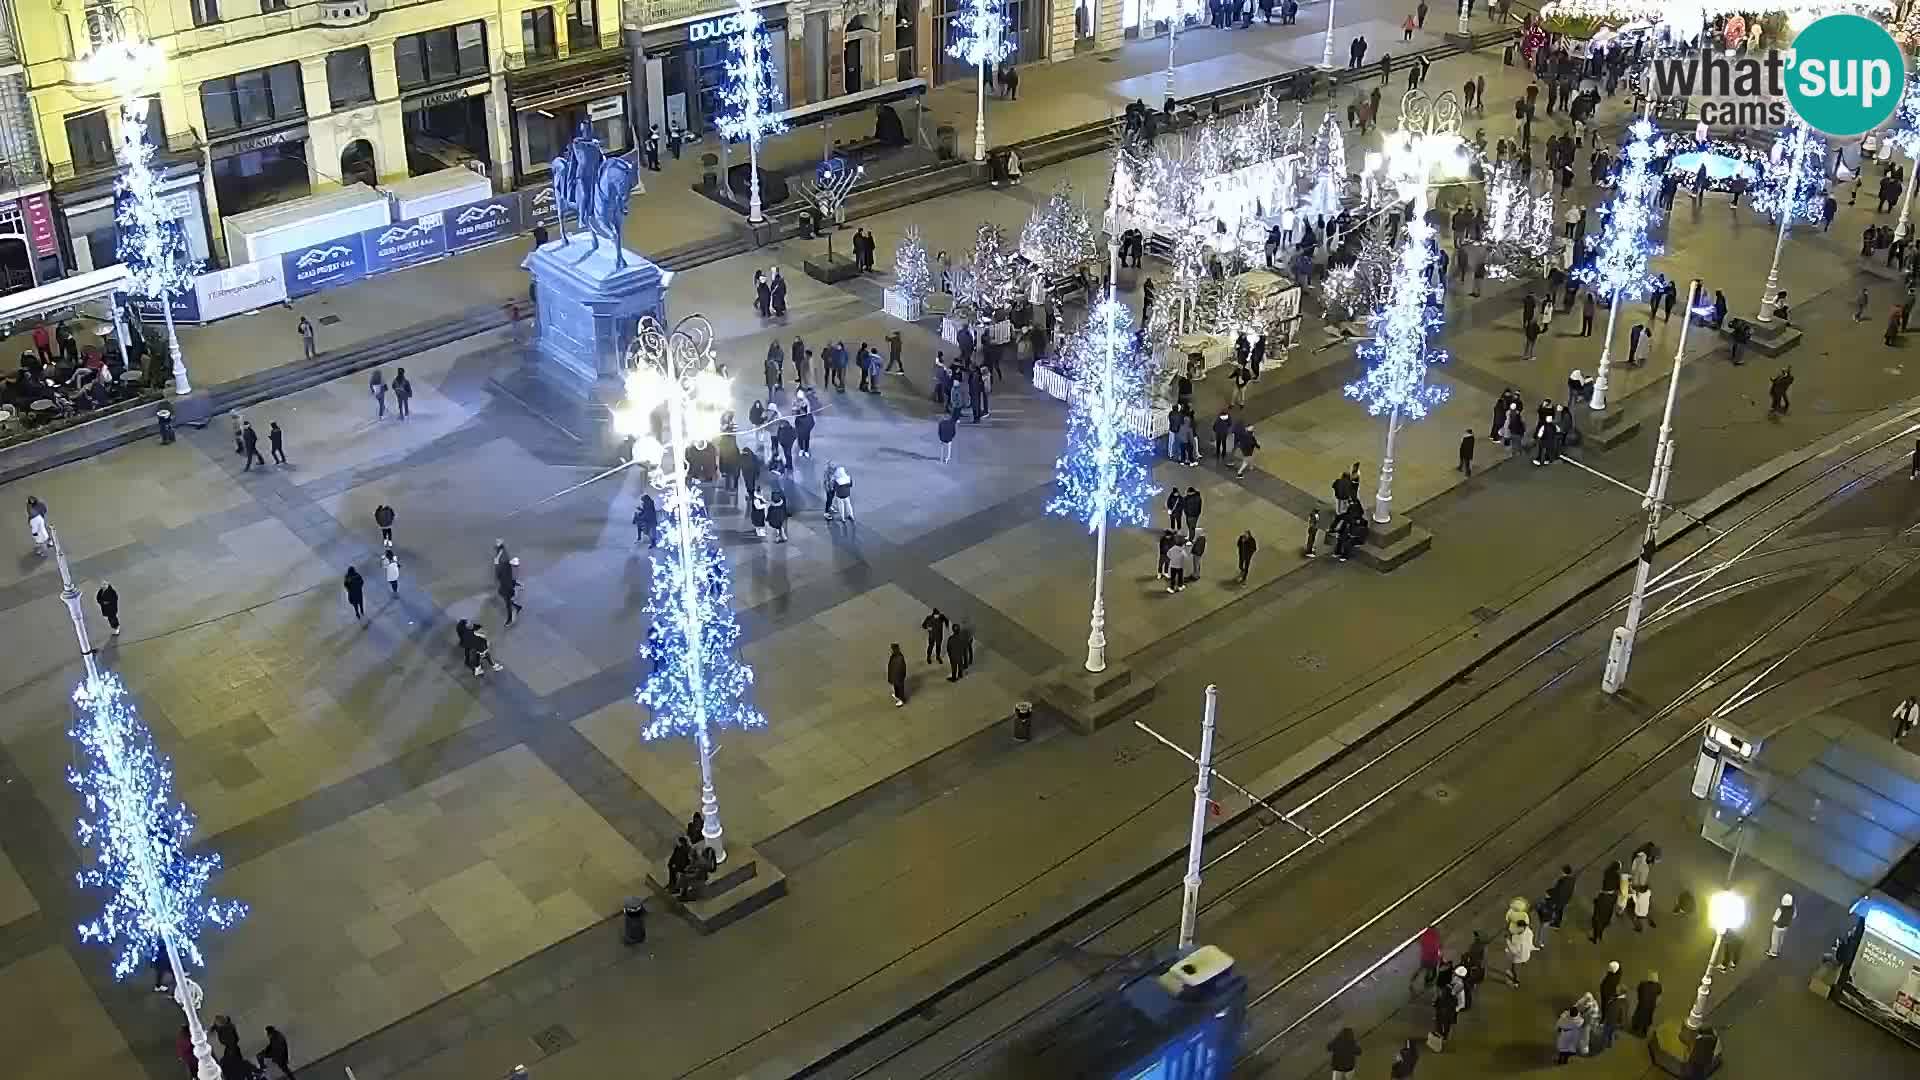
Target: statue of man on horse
(596, 188)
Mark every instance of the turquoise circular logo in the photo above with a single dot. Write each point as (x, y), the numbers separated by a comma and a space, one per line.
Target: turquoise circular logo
(1845, 75)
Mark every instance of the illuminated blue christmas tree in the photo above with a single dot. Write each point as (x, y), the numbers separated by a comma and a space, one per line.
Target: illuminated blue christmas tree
(1624, 247)
(980, 38)
(698, 681)
(750, 101)
(156, 892)
(1105, 474)
(1904, 132)
(150, 243)
(1794, 183)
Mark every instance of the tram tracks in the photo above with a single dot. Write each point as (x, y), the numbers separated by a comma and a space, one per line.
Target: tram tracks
(1110, 938)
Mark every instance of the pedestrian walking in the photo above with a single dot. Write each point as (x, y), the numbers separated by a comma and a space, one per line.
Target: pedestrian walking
(1446, 1003)
(1247, 545)
(506, 578)
(383, 517)
(947, 429)
(1178, 558)
(841, 491)
(1531, 332)
(1246, 443)
(1860, 306)
(757, 514)
(777, 512)
(1222, 433)
(803, 423)
(1430, 960)
(1566, 1034)
(1905, 716)
(1466, 452)
(377, 386)
(1604, 903)
(392, 567)
(1190, 509)
(1782, 922)
(276, 441)
(1640, 867)
(1586, 315)
(109, 601)
(356, 592)
(1613, 1006)
(959, 651)
(1646, 999)
(403, 393)
(1561, 895)
(935, 625)
(646, 522)
(475, 649)
(250, 443)
(1777, 389)
(784, 437)
(305, 330)
(1345, 1052)
(37, 528)
(774, 378)
(1196, 549)
(897, 675)
(1519, 948)
(275, 1051)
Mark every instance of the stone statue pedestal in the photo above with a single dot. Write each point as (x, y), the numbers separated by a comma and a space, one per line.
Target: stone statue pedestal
(586, 310)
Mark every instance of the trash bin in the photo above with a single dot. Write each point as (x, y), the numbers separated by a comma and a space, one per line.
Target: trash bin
(1023, 720)
(946, 142)
(633, 927)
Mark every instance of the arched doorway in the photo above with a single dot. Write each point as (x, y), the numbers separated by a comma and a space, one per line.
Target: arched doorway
(356, 164)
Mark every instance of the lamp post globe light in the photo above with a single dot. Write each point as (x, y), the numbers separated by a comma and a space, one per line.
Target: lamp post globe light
(1427, 142)
(677, 401)
(1726, 912)
(151, 244)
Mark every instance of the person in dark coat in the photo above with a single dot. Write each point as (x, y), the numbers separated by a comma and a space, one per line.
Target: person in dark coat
(1246, 546)
(799, 356)
(109, 602)
(1168, 537)
(1604, 903)
(803, 429)
(946, 429)
(775, 379)
(1466, 452)
(1560, 896)
(383, 517)
(959, 651)
(1190, 509)
(250, 445)
(356, 592)
(1175, 500)
(403, 393)
(1646, 1000)
(646, 522)
(783, 439)
(1222, 434)
(506, 579)
(750, 470)
(897, 675)
(762, 294)
(1345, 1052)
(275, 1051)
(778, 294)
(1446, 1010)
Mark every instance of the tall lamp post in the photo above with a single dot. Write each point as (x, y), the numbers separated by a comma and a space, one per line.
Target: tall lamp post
(750, 102)
(1197, 834)
(1797, 192)
(1726, 912)
(1398, 355)
(1326, 47)
(980, 39)
(676, 403)
(1103, 473)
(1621, 255)
(1620, 646)
(1174, 14)
(151, 244)
(1904, 135)
(156, 904)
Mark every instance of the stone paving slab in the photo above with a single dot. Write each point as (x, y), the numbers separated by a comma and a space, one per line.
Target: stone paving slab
(55, 1029)
(837, 731)
(16, 902)
(417, 897)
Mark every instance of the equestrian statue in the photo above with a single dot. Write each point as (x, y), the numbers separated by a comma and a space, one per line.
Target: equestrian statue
(596, 188)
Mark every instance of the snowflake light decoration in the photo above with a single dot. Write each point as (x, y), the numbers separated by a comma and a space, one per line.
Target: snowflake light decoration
(698, 680)
(138, 833)
(750, 100)
(1105, 474)
(980, 34)
(1794, 183)
(150, 244)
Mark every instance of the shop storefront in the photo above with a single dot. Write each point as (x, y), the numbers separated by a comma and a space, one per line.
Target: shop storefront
(260, 168)
(29, 247)
(86, 213)
(446, 126)
(548, 106)
(687, 66)
(1026, 26)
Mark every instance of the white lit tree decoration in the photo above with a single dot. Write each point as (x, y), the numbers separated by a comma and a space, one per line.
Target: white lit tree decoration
(1058, 239)
(1623, 249)
(750, 101)
(1362, 285)
(1397, 356)
(1174, 13)
(1793, 185)
(1904, 133)
(991, 280)
(150, 244)
(1326, 171)
(1104, 473)
(156, 904)
(912, 273)
(980, 38)
(1521, 234)
(697, 681)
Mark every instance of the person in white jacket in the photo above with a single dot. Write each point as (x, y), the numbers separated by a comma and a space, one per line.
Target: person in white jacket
(392, 567)
(1519, 948)
(1907, 713)
(1782, 920)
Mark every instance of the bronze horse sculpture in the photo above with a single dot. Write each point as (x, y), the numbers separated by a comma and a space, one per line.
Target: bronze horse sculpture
(596, 189)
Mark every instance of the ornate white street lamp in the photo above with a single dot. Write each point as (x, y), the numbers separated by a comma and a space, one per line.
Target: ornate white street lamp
(1726, 912)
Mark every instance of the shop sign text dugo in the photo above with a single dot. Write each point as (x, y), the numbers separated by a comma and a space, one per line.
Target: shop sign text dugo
(1843, 78)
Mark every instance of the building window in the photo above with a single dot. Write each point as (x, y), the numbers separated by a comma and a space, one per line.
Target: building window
(583, 25)
(349, 77)
(205, 12)
(88, 139)
(273, 5)
(451, 52)
(536, 32)
(253, 98)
